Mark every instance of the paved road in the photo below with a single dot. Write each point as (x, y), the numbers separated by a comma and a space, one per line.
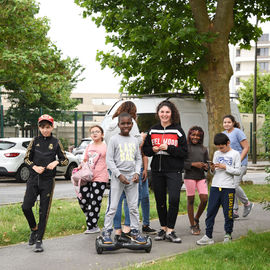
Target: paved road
(11, 192)
(78, 251)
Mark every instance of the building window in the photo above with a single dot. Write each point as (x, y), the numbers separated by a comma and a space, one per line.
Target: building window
(237, 81)
(264, 37)
(79, 99)
(262, 52)
(238, 52)
(237, 67)
(263, 66)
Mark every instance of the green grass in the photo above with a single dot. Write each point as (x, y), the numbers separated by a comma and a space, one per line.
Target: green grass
(247, 253)
(66, 217)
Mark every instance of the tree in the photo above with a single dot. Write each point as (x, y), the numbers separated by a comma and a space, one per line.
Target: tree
(263, 94)
(167, 45)
(32, 69)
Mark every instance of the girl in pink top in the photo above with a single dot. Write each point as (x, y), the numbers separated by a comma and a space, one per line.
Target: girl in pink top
(92, 192)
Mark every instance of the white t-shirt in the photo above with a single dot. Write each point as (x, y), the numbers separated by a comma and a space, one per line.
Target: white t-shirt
(225, 178)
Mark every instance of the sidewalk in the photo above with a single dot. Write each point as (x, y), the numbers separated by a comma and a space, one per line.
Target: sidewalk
(78, 251)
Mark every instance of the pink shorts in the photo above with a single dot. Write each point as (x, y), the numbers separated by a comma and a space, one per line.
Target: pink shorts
(191, 186)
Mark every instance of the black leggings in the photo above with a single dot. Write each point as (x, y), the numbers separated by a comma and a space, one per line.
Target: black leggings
(164, 182)
(44, 187)
(92, 194)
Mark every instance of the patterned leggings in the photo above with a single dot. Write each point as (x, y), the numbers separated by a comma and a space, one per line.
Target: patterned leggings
(92, 195)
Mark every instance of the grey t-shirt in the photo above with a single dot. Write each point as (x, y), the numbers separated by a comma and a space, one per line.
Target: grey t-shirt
(123, 155)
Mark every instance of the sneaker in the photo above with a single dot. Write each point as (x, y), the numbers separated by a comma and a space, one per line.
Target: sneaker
(235, 215)
(205, 240)
(227, 238)
(135, 235)
(247, 209)
(106, 237)
(39, 246)
(173, 238)
(148, 230)
(93, 230)
(161, 235)
(32, 238)
(195, 230)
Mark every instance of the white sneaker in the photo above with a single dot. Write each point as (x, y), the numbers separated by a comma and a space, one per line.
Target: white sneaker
(205, 240)
(93, 230)
(227, 238)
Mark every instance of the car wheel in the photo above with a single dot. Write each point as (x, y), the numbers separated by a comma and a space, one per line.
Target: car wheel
(69, 170)
(23, 174)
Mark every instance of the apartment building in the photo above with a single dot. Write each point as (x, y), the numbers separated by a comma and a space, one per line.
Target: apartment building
(243, 61)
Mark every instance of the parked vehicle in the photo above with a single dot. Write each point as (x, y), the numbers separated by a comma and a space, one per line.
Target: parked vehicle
(78, 151)
(12, 152)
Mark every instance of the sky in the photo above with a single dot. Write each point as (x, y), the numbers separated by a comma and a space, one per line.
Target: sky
(79, 37)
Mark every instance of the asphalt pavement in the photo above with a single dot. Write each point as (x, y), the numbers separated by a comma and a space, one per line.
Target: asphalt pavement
(78, 251)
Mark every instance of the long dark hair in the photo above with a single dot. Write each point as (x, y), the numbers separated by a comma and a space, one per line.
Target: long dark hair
(201, 132)
(127, 106)
(175, 113)
(235, 124)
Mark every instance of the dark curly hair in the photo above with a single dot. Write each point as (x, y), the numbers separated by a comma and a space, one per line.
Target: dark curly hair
(201, 132)
(127, 106)
(175, 114)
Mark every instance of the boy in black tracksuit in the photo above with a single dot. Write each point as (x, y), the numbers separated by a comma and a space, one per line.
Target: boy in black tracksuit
(41, 157)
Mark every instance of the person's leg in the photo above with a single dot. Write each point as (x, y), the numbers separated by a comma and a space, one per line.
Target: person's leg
(239, 192)
(174, 184)
(118, 215)
(145, 203)
(115, 193)
(203, 194)
(126, 227)
(46, 187)
(29, 200)
(96, 194)
(227, 205)
(160, 186)
(190, 191)
(212, 210)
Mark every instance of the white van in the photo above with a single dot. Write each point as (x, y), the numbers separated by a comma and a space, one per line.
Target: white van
(192, 112)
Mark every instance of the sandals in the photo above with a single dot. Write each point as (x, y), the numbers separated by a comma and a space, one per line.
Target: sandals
(195, 229)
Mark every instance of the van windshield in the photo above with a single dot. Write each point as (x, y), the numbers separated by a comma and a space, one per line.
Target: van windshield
(145, 121)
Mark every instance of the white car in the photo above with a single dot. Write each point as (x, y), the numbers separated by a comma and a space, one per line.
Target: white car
(12, 152)
(79, 151)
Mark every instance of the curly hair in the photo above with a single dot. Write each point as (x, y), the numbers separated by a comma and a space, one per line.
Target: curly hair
(127, 106)
(201, 132)
(235, 123)
(175, 117)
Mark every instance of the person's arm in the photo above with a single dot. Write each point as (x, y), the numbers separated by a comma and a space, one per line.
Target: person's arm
(145, 166)
(110, 158)
(245, 147)
(147, 146)
(235, 169)
(62, 157)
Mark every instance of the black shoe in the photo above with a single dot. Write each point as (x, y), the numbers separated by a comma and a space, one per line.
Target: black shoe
(161, 235)
(148, 230)
(39, 246)
(173, 238)
(32, 238)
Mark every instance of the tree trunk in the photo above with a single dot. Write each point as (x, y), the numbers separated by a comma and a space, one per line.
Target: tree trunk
(215, 82)
(216, 73)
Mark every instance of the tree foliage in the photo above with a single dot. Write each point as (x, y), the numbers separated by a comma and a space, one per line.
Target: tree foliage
(262, 94)
(33, 70)
(171, 45)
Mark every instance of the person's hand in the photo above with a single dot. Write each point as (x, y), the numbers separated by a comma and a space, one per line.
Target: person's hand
(198, 164)
(144, 175)
(52, 165)
(163, 147)
(155, 149)
(135, 178)
(205, 166)
(220, 166)
(123, 179)
(38, 169)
